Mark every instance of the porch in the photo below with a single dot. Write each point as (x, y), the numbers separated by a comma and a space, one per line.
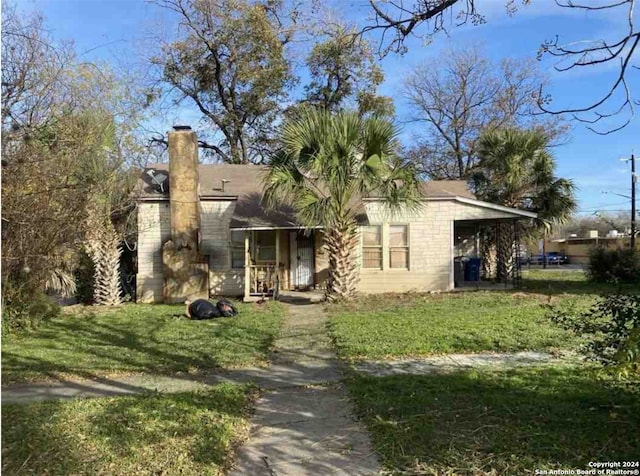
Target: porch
(277, 261)
(487, 254)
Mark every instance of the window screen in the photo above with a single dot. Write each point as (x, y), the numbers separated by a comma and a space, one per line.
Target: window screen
(266, 246)
(398, 246)
(372, 247)
(237, 248)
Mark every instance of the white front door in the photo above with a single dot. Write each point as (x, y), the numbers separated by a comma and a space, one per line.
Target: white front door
(301, 260)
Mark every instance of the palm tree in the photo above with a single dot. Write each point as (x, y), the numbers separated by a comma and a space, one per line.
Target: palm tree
(100, 170)
(328, 162)
(517, 170)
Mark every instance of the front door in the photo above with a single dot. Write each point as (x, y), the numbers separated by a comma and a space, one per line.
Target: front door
(301, 259)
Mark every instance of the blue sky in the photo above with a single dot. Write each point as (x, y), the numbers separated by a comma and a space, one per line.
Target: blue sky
(115, 30)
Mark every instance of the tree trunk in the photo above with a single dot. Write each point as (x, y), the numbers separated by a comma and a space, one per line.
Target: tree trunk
(104, 250)
(489, 253)
(506, 243)
(341, 242)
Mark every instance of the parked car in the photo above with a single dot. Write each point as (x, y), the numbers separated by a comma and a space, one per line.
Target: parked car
(553, 257)
(524, 258)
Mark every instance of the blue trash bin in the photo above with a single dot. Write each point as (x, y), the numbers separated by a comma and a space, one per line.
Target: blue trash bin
(472, 270)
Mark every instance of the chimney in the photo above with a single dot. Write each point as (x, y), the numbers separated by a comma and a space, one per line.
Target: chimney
(186, 270)
(183, 186)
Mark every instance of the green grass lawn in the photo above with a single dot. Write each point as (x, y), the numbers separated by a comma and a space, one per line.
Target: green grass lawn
(183, 433)
(450, 323)
(139, 338)
(506, 423)
(558, 281)
(486, 422)
(406, 325)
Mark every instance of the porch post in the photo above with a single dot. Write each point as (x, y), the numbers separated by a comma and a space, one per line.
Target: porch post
(247, 268)
(277, 270)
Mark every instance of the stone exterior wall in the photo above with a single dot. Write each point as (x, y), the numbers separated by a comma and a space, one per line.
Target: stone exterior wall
(321, 260)
(154, 229)
(216, 239)
(430, 246)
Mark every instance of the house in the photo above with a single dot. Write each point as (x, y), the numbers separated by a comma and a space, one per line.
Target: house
(202, 230)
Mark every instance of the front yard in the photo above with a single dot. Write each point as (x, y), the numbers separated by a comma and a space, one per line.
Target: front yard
(139, 338)
(499, 423)
(190, 434)
(379, 327)
(406, 325)
(506, 422)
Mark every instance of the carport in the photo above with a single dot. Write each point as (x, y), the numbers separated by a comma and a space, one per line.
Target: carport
(487, 252)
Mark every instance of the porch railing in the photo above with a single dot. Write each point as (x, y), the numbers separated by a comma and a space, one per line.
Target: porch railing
(264, 280)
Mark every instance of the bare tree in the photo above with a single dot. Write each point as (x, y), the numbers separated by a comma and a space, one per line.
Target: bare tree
(603, 222)
(65, 127)
(621, 51)
(462, 94)
(398, 19)
(33, 235)
(32, 70)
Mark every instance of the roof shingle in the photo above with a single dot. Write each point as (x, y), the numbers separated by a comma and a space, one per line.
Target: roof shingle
(244, 182)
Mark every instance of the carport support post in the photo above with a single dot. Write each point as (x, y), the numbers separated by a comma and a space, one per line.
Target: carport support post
(247, 266)
(277, 255)
(544, 249)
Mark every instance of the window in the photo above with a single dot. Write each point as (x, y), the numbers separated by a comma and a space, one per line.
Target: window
(237, 249)
(372, 246)
(266, 246)
(398, 247)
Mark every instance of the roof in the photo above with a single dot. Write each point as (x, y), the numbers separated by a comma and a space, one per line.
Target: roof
(446, 189)
(246, 179)
(244, 184)
(494, 206)
(240, 180)
(250, 213)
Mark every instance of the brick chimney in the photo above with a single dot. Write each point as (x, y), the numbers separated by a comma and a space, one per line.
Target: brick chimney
(186, 270)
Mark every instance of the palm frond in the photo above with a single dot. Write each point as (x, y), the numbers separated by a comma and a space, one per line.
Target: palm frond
(61, 281)
(516, 169)
(335, 160)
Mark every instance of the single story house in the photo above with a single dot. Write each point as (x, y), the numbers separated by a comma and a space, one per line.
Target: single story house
(243, 249)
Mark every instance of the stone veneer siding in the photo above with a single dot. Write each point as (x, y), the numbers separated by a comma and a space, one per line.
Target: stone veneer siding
(430, 247)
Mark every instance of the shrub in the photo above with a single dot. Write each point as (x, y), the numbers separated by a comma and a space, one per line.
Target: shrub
(24, 307)
(613, 266)
(83, 274)
(611, 329)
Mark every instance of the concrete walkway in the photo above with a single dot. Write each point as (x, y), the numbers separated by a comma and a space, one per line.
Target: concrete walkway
(456, 362)
(305, 428)
(274, 377)
(302, 424)
(298, 363)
